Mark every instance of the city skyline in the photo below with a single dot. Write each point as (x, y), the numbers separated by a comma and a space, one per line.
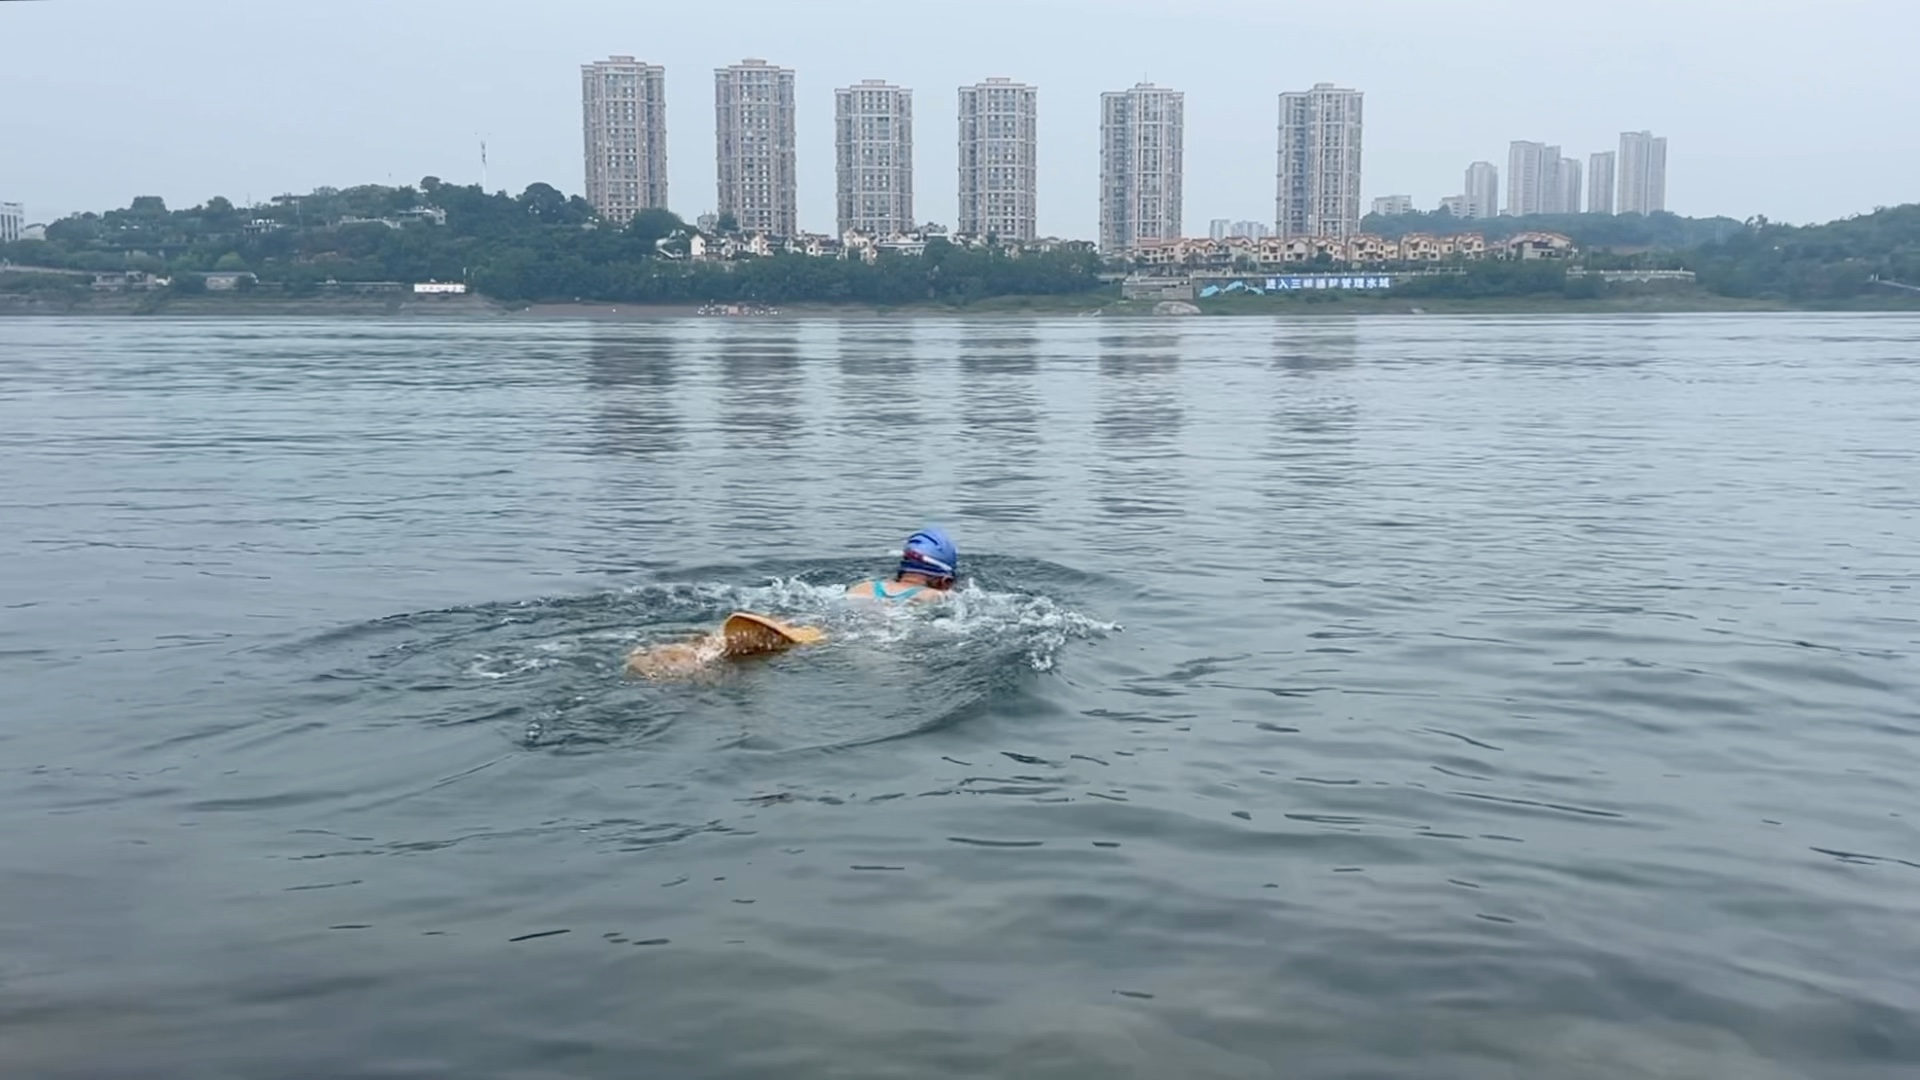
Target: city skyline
(1319, 145)
(422, 98)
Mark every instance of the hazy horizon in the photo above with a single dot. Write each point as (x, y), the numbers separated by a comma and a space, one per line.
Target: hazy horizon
(1766, 113)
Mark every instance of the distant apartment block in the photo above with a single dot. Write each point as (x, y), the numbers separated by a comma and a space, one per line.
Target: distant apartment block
(1142, 133)
(1251, 230)
(873, 147)
(1600, 183)
(1460, 206)
(1318, 179)
(1566, 187)
(624, 107)
(1531, 178)
(13, 220)
(1391, 205)
(999, 152)
(754, 147)
(1220, 228)
(1643, 173)
(1483, 190)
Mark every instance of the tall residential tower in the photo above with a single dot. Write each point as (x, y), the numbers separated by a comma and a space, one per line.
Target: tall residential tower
(1566, 187)
(753, 135)
(1483, 190)
(1532, 182)
(1643, 172)
(624, 105)
(1600, 183)
(1141, 134)
(1318, 181)
(999, 150)
(873, 154)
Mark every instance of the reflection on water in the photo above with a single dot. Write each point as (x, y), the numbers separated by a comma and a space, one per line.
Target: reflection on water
(884, 397)
(1139, 423)
(1311, 441)
(632, 375)
(1306, 350)
(1000, 423)
(760, 381)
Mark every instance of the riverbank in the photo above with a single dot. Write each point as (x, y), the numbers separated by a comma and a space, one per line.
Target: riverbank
(1101, 304)
(242, 306)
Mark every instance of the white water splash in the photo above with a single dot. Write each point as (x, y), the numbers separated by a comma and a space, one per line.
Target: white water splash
(1035, 628)
(1038, 625)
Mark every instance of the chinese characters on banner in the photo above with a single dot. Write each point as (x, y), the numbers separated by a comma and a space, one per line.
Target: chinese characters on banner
(1364, 281)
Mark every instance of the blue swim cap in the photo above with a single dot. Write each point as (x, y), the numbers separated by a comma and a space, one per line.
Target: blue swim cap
(932, 553)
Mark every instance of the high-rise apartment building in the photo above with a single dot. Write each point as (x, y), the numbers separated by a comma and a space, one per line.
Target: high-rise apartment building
(624, 106)
(1142, 132)
(1643, 172)
(1251, 230)
(13, 218)
(1219, 228)
(1459, 206)
(1564, 193)
(1318, 180)
(999, 152)
(873, 146)
(753, 142)
(1600, 183)
(1483, 190)
(1391, 205)
(1532, 184)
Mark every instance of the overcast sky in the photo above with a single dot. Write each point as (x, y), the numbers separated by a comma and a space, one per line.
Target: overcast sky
(1799, 110)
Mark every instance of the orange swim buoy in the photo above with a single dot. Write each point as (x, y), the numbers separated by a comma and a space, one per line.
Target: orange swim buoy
(745, 633)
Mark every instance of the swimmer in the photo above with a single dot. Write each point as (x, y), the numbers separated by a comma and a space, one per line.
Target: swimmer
(929, 569)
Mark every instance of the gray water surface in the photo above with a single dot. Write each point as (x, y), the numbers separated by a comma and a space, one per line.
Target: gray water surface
(1414, 699)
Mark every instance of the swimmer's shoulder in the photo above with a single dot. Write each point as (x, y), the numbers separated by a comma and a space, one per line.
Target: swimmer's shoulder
(873, 588)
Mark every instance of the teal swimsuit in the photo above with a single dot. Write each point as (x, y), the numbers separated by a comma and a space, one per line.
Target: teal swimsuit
(880, 591)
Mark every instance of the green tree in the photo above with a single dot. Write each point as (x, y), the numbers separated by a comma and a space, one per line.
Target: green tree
(544, 203)
(651, 226)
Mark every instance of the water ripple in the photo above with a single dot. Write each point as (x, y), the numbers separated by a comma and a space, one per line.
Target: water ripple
(1507, 696)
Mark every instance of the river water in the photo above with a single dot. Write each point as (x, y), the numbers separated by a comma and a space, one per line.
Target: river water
(1415, 698)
